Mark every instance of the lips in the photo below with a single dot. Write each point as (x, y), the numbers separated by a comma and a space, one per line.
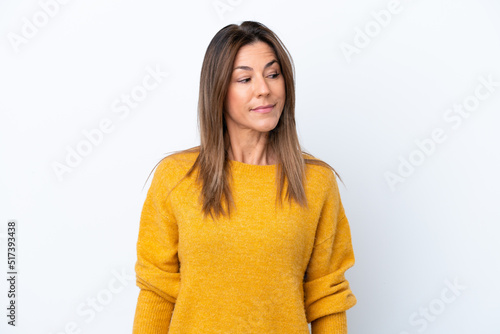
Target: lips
(265, 108)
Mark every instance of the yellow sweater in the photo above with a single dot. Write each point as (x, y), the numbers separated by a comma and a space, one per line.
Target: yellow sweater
(265, 270)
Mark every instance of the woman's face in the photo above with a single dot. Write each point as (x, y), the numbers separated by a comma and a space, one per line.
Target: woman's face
(256, 81)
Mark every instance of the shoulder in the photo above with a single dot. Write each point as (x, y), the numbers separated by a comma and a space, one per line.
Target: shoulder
(176, 165)
(319, 173)
(318, 167)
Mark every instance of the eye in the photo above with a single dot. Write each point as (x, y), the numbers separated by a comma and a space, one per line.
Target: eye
(273, 76)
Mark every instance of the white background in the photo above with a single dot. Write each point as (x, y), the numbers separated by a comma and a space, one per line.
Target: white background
(362, 113)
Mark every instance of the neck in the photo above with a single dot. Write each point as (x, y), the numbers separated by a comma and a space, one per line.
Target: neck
(258, 154)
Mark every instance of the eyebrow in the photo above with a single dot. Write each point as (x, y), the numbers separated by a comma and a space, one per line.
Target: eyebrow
(248, 68)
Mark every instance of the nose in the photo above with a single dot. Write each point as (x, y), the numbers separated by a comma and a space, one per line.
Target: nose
(261, 87)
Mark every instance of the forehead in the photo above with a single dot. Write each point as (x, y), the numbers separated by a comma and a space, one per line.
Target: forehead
(254, 53)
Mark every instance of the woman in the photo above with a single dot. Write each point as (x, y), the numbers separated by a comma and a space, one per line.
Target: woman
(218, 249)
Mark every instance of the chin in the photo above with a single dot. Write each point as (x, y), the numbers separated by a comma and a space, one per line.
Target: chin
(265, 128)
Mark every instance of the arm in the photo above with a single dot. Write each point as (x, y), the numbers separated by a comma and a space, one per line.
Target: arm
(153, 313)
(157, 266)
(332, 324)
(327, 293)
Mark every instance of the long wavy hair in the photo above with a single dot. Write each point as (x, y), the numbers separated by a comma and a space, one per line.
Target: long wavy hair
(212, 161)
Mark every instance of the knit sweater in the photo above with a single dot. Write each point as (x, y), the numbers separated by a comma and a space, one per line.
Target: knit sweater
(265, 270)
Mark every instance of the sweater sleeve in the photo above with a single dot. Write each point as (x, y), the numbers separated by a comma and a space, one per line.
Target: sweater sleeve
(331, 324)
(157, 266)
(327, 294)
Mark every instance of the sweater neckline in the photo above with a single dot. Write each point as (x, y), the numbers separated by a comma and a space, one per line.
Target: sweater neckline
(238, 165)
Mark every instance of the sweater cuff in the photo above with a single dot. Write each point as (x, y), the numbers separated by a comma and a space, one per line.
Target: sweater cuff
(152, 314)
(330, 324)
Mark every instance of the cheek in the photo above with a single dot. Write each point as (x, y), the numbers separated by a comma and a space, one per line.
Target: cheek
(281, 91)
(235, 99)
(229, 100)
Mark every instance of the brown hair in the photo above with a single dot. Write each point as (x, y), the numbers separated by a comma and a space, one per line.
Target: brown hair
(212, 159)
